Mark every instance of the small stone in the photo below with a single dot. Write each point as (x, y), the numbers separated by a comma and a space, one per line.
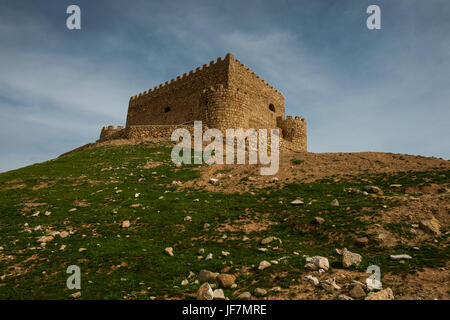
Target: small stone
(268, 240)
(330, 285)
(401, 257)
(45, 239)
(244, 295)
(275, 289)
(344, 297)
(82, 249)
(334, 203)
(363, 241)
(185, 282)
(226, 280)
(209, 256)
(188, 218)
(313, 280)
(225, 253)
(72, 210)
(311, 266)
(431, 226)
(319, 220)
(213, 181)
(169, 251)
(349, 258)
(264, 264)
(297, 202)
(385, 294)
(201, 251)
(262, 249)
(357, 292)
(218, 294)
(206, 226)
(395, 185)
(259, 292)
(63, 247)
(76, 294)
(205, 292)
(321, 262)
(126, 224)
(64, 234)
(273, 261)
(207, 276)
(373, 189)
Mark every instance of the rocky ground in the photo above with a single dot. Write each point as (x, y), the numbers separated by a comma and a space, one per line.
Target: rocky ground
(140, 227)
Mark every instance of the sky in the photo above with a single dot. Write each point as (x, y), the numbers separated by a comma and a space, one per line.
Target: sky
(384, 90)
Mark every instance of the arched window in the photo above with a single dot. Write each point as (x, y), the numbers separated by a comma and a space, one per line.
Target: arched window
(272, 107)
(167, 109)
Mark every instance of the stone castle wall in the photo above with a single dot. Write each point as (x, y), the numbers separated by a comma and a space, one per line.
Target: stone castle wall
(223, 94)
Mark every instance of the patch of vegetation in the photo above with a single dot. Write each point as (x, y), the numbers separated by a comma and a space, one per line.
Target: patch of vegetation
(109, 185)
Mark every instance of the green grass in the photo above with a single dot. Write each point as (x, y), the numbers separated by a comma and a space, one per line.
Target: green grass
(159, 223)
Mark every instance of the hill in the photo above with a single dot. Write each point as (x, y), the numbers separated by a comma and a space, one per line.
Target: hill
(113, 210)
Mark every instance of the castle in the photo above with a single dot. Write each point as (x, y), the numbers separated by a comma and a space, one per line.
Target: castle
(223, 94)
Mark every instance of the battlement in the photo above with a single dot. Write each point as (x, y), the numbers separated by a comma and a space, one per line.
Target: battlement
(186, 77)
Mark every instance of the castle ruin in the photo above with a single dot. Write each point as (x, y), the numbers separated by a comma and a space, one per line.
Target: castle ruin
(223, 94)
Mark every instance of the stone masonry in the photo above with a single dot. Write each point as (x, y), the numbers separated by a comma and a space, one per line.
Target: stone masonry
(223, 94)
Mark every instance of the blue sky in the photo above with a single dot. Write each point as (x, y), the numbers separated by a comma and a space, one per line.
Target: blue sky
(360, 90)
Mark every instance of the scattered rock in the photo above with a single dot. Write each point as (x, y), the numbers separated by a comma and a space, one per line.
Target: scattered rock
(431, 225)
(82, 249)
(349, 258)
(185, 282)
(188, 218)
(45, 239)
(264, 264)
(213, 180)
(313, 280)
(321, 262)
(244, 295)
(268, 240)
(226, 280)
(225, 253)
(207, 276)
(64, 234)
(357, 292)
(205, 292)
(363, 241)
(385, 294)
(126, 224)
(330, 285)
(76, 294)
(297, 202)
(275, 289)
(334, 203)
(319, 220)
(169, 251)
(259, 292)
(218, 294)
(206, 226)
(400, 257)
(373, 189)
(209, 256)
(344, 297)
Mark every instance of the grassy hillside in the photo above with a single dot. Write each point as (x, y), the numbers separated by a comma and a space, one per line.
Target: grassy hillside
(109, 185)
